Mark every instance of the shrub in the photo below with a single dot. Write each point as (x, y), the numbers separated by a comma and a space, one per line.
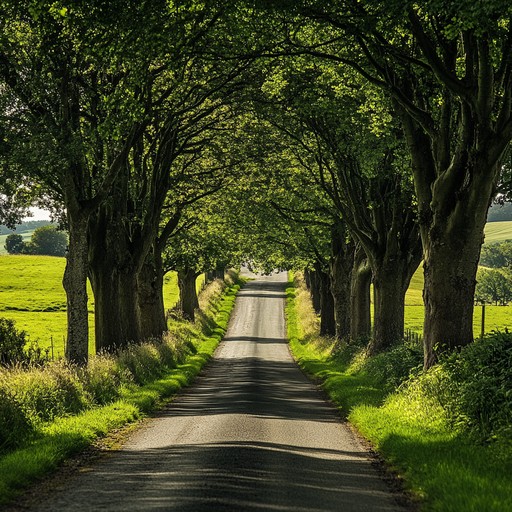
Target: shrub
(14, 244)
(15, 427)
(394, 366)
(12, 342)
(103, 377)
(480, 391)
(47, 392)
(473, 387)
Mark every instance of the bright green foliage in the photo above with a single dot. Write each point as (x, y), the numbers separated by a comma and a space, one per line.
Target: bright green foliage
(472, 388)
(12, 342)
(15, 426)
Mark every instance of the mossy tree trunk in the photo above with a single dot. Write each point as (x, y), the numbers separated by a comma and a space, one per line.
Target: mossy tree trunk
(188, 302)
(360, 314)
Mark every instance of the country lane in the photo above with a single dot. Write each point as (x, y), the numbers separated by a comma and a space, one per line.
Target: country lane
(252, 434)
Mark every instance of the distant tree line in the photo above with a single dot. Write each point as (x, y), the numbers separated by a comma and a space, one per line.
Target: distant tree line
(25, 226)
(500, 212)
(46, 240)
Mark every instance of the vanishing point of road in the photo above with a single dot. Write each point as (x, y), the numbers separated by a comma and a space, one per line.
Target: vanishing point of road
(251, 434)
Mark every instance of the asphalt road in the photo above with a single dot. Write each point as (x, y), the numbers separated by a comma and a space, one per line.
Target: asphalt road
(252, 434)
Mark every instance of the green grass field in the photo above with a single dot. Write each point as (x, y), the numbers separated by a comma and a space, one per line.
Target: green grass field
(31, 294)
(498, 231)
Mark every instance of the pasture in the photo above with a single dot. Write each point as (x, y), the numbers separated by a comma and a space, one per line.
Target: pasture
(496, 317)
(31, 294)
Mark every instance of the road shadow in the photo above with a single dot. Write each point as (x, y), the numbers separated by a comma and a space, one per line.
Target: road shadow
(235, 476)
(252, 386)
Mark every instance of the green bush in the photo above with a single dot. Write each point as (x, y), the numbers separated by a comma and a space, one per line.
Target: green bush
(14, 244)
(15, 427)
(12, 342)
(103, 377)
(481, 385)
(473, 387)
(48, 392)
(394, 367)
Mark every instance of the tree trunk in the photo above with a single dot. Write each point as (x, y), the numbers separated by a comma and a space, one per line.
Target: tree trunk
(75, 285)
(327, 320)
(389, 285)
(107, 316)
(453, 201)
(360, 322)
(342, 261)
(188, 295)
(150, 284)
(307, 278)
(315, 292)
(451, 263)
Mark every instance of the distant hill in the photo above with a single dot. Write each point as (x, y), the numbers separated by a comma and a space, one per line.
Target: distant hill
(498, 231)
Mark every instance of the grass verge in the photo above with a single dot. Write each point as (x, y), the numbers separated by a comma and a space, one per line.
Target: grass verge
(65, 436)
(443, 467)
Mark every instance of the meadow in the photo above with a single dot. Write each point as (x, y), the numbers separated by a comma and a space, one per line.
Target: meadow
(31, 294)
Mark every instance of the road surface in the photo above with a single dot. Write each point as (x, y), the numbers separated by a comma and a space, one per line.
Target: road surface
(252, 434)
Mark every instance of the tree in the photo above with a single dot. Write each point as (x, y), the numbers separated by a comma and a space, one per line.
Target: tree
(49, 241)
(493, 286)
(14, 244)
(497, 254)
(61, 69)
(447, 71)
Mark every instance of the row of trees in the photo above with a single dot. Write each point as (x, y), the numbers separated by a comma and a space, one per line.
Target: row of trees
(350, 139)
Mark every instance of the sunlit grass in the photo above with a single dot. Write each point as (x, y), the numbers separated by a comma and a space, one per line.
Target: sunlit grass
(498, 231)
(437, 462)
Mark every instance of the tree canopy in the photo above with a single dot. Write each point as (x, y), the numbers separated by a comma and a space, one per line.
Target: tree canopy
(350, 139)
